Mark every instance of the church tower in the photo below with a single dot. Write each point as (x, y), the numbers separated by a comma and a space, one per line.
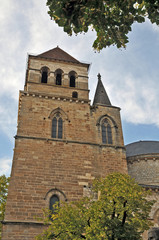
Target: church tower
(62, 142)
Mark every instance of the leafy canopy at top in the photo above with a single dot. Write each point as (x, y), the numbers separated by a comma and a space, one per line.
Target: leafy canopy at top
(111, 19)
(120, 213)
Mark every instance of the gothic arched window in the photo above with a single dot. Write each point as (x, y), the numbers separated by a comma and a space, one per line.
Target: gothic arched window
(44, 75)
(106, 132)
(54, 203)
(57, 126)
(58, 76)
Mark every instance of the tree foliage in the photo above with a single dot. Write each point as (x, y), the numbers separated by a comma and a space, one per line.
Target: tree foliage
(4, 182)
(120, 213)
(111, 19)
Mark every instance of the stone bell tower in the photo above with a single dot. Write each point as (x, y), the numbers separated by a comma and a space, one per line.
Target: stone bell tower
(62, 142)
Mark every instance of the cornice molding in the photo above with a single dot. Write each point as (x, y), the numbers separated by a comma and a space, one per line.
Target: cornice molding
(69, 141)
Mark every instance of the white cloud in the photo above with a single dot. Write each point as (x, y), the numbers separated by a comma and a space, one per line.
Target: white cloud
(5, 166)
(8, 120)
(137, 98)
(7, 9)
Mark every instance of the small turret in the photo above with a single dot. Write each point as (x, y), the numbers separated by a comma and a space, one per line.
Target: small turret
(101, 97)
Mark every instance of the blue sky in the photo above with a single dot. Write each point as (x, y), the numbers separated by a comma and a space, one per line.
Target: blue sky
(131, 76)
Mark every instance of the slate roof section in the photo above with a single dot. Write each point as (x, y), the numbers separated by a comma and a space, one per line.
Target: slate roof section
(142, 147)
(58, 54)
(101, 97)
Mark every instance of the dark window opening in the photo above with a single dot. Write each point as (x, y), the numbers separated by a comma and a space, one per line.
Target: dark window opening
(44, 77)
(58, 79)
(72, 81)
(54, 203)
(75, 94)
(54, 127)
(109, 133)
(60, 128)
(57, 127)
(104, 139)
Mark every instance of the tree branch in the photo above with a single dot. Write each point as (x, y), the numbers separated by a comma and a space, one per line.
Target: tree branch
(125, 214)
(82, 236)
(113, 214)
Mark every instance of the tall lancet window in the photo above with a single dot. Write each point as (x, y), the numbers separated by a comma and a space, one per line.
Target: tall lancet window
(104, 136)
(106, 132)
(109, 133)
(57, 126)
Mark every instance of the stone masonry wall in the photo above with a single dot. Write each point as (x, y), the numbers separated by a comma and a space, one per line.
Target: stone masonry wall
(19, 231)
(144, 168)
(42, 163)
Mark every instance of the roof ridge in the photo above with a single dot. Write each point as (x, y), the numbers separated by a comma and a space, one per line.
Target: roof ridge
(58, 54)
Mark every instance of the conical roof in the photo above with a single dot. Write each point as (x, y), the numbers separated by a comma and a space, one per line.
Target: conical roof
(58, 54)
(101, 97)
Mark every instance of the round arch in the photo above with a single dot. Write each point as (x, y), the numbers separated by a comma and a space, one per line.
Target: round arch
(54, 192)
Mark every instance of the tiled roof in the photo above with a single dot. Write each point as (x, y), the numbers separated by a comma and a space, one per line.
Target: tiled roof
(142, 147)
(101, 96)
(58, 54)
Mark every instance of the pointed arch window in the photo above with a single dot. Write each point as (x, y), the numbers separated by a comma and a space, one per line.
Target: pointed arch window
(44, 75)
(106, 132)
(57, 126)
